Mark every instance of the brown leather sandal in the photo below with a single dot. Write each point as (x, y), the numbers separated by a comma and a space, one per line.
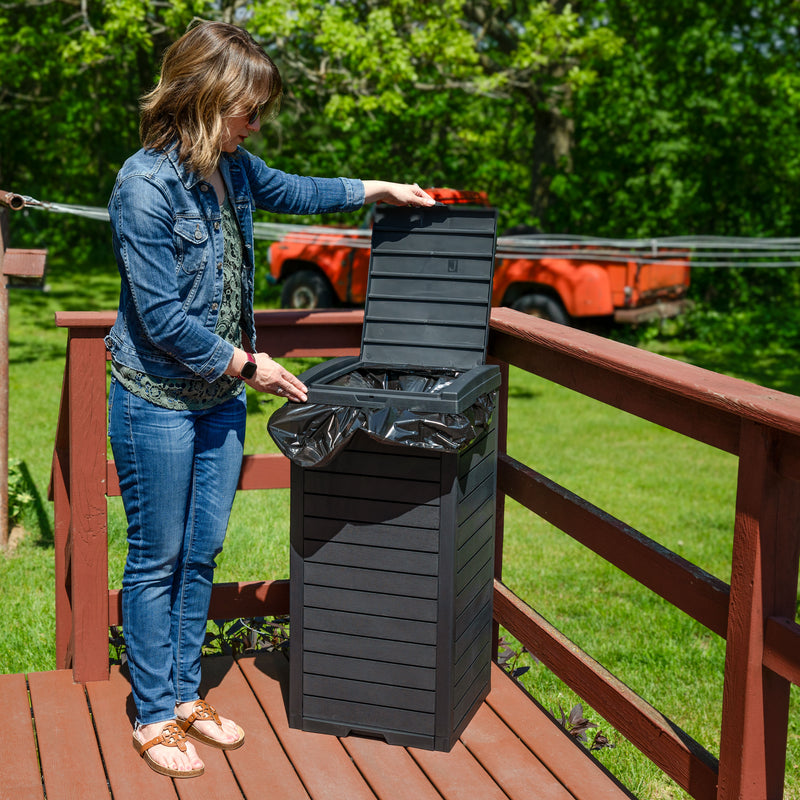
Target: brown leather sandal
(203, 711)
(171, 736)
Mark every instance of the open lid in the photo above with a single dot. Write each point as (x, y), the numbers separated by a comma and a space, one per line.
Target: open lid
(429, 292)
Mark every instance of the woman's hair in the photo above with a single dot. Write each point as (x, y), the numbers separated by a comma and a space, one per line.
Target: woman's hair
(214, 71)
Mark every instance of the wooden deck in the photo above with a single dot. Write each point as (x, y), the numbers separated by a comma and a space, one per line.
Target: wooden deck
(80, 735)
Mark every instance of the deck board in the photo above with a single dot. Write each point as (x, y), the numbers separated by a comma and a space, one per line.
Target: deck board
(551, 743)
(19, 767)
(72, 767)
(512, 750)
(113, 714)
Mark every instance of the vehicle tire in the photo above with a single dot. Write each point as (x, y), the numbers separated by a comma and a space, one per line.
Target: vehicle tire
(306, 289)
(542, 306)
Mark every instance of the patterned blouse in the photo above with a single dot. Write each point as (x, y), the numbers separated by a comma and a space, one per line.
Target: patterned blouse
(192, 394)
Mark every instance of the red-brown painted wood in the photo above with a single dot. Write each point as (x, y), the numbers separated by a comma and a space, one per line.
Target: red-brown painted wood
(58, 492)
(510, 750)
(389, 771)
(71, 762)
(569, 763)
(265, 471)
(677, 580)
(782, 648)
(708, 407)
(693, 401)
(324, 766)
(509, 761)
(664, 743)
(230, 601)
(457, 774)
(88, 564)
(259, 471)
(113, 715)
(19, 767)
(764, 574)
(260, 765)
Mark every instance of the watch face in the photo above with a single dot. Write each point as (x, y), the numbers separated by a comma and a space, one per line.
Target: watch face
(248, 370)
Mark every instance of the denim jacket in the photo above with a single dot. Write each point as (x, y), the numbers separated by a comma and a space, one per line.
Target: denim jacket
(167, 238)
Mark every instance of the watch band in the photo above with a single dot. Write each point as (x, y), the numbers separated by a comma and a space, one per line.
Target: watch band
(249, 369)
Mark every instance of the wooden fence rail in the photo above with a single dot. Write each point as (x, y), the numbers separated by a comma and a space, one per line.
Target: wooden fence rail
(755, 613)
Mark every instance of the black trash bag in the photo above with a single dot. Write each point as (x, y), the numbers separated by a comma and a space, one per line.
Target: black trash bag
(312, 434)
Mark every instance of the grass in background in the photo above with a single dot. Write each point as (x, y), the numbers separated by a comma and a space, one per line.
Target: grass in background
(676, 491)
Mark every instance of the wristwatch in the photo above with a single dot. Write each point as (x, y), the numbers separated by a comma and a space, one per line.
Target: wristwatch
(249, 369)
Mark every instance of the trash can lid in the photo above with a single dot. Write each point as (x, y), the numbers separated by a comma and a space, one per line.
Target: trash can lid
(429, 291)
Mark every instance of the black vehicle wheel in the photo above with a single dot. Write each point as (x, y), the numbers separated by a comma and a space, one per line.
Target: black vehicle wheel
(306, 289)
(542, 306)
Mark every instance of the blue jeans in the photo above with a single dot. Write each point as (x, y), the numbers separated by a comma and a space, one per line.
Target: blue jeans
(178, 472)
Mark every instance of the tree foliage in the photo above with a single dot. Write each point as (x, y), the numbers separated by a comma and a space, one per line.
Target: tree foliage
(598, 116)
(72, 73)
(692, 129)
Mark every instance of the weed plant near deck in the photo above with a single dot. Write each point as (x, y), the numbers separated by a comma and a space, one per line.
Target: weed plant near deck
(676, 491)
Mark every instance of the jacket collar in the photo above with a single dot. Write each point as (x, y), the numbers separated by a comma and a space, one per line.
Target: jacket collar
(189, 178)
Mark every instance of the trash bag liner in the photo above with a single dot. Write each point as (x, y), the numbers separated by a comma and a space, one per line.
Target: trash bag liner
(312, 434)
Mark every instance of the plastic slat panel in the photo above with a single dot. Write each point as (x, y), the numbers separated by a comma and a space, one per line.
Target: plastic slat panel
(398, 560)
(467, 550)
(429, 266)
(471, 629)
(362, 668)
(371, 535)
(370, 580)
(363, 716)
(483, 493)
(371, 486)
(378, 694)
(383, 605)
(380, 511)
(376, 649)
(401, 630)
(359, 461)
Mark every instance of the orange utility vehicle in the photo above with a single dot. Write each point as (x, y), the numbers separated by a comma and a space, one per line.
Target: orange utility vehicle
(328, 267)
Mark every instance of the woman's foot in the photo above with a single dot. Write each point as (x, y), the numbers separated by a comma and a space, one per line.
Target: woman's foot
(165, 748)
(200, 721)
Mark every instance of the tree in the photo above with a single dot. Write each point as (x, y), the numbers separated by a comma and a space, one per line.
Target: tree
(691, 128)
(72, 75)
(462, 92)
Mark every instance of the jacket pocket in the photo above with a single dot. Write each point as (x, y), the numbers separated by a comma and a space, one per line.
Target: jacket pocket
(191, 243)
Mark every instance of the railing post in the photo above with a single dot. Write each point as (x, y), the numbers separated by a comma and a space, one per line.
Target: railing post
(500, 499)
(60, 494)
(88, 531)
(764, 571)
(4, 524)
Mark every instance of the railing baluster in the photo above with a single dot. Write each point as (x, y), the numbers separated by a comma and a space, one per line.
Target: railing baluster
(87, 490)
(764, 571)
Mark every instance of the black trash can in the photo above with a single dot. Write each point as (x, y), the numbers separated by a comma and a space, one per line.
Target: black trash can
(392, 529)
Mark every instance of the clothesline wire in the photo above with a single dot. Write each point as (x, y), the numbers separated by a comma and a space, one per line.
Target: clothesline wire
(700, 251)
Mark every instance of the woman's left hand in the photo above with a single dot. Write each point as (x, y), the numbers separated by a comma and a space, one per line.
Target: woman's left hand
(396, 194)
(273, 378)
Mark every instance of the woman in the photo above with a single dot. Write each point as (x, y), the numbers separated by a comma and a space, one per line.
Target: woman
(182, 348)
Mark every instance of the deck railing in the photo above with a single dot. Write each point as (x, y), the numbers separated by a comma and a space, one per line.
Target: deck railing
(755, 613)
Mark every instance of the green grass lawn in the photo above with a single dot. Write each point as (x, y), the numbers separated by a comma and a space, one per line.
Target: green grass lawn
(672, 489)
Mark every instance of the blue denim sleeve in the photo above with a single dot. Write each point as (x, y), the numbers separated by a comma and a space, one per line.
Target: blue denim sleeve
(284, 193)
(143, 223)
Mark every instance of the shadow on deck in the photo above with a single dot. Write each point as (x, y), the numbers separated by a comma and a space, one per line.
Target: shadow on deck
(73, 741)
